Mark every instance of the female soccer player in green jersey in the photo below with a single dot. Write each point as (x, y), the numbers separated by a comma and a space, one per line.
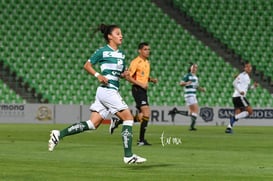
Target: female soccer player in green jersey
(191, 85)
(112, 63)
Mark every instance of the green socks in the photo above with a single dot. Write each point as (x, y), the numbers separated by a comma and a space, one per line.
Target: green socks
(193, 120)
(127, 139)
(76, 128)
(127, 135)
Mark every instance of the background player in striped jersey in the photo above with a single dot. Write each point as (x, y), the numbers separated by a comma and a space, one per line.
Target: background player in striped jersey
(241, 85)
(191, 85)
(112, 63)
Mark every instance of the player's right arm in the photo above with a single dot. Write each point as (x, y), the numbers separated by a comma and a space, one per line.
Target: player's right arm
(182, 83)
(236, 84)
(88, 66)
(185, 81)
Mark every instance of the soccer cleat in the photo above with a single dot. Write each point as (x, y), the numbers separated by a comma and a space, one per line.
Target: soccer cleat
(114, 124)
(173, 111)
(54, 139)
(143, 143)
(228, 130)
(134, 159)
(192, 129)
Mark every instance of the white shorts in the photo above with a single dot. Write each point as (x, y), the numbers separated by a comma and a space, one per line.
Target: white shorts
(190, 100)
(108, 101)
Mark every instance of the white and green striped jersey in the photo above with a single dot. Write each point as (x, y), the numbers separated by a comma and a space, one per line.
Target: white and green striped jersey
(112, 64)
(190, 90)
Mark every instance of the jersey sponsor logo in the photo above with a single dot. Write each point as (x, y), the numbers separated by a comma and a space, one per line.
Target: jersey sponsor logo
(107, 54)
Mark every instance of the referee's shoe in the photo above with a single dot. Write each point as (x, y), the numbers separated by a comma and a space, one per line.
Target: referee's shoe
(143, 143)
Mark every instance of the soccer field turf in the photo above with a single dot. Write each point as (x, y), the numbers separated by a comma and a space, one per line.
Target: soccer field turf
(207, 154)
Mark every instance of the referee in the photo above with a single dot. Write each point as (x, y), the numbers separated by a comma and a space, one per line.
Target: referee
(140, 71)
(140, 77)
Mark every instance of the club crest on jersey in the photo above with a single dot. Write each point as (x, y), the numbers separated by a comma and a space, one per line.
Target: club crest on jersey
(120, 64)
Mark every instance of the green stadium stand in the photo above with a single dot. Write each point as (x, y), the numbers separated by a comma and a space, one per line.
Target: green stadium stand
(244, 26)
(7, 95)
(47, 43)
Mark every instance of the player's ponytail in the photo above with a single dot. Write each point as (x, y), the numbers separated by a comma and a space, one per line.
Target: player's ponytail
(105, 30)
(190, 67)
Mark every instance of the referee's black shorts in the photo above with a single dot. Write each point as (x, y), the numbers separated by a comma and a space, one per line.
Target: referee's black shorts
(140, 96)
(240, 102)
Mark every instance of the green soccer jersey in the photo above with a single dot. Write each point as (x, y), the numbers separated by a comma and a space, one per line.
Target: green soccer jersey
(190, 90)
(112, 64)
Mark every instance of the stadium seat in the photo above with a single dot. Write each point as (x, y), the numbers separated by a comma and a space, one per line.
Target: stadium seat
(55, 43)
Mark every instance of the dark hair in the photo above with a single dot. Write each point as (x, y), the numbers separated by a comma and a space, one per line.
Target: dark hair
(105, 30)
(142, 44)
(189, 69)
(245, 63)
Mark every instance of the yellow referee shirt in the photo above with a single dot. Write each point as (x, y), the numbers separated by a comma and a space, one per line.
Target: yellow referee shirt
(140, 69)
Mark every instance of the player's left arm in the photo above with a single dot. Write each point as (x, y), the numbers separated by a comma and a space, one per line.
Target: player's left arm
(202, 89)
(185, 81)
(254, 85)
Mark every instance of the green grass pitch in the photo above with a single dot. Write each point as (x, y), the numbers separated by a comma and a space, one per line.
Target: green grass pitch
(205, 155)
